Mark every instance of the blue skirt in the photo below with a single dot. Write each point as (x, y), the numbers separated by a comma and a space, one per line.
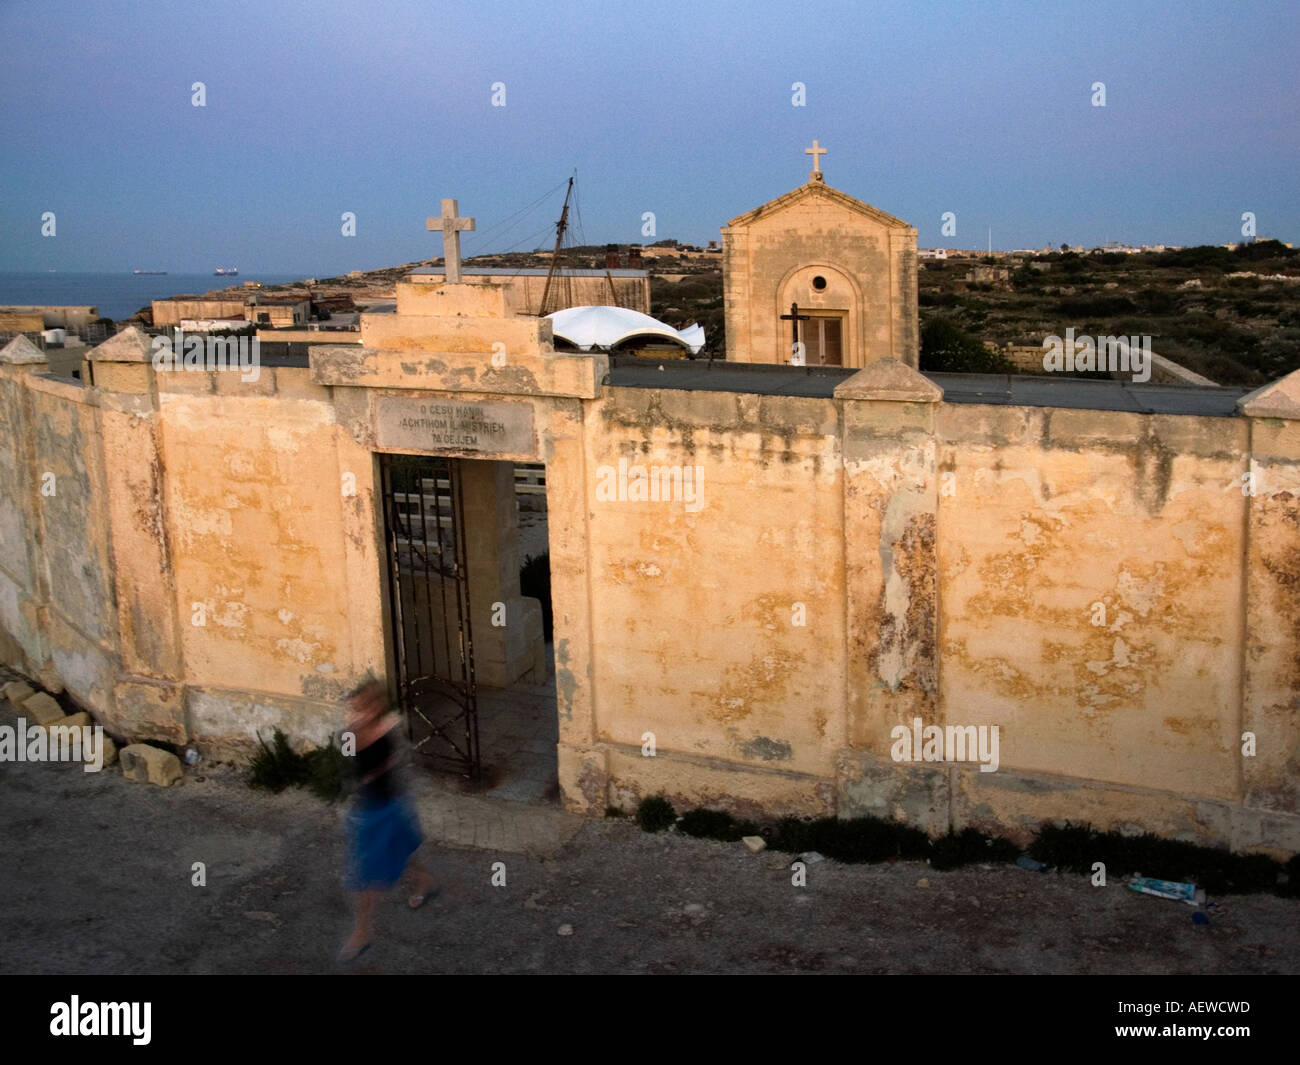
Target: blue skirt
(381, 839)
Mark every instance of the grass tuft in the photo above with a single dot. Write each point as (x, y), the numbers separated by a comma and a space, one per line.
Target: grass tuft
(970, 847)
(278, 766)
(716, 824)
(1219, 871)
(855, 840)
(1071, 848)
(655, 813)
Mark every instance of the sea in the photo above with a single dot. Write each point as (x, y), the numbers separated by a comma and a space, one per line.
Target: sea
(117, 296)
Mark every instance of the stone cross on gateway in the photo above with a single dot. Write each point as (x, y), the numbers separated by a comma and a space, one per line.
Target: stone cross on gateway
(451, 227)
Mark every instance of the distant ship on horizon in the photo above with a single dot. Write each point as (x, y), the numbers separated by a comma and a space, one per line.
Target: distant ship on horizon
(151, 273)
(232, 272)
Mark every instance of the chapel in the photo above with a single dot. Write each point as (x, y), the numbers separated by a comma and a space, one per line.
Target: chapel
(818, 277)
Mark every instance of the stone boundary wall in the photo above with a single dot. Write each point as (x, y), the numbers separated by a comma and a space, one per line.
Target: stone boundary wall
(1029, 357)
(1115, 593)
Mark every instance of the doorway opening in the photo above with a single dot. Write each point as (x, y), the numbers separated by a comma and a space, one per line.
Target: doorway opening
(471, 650)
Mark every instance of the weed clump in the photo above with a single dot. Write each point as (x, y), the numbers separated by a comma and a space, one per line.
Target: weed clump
(968, 847)
(1216, 869)
(655, 813)
(1069, 848)
(853, 840)
(322, 771)
(716, 824)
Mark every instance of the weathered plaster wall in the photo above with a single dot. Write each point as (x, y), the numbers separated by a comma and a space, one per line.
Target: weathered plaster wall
(1092, 602)
(1076, 579)
(719, 623)
(1271, 699)
(1091, 571)
(260, 519)
(80, 607)
(20, 629)
(841, 566)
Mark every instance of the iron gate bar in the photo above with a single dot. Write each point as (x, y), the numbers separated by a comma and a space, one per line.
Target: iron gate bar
(423, 692)
(394, 579)
(466, 628)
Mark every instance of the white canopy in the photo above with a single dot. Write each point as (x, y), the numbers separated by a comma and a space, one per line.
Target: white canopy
(603, 327)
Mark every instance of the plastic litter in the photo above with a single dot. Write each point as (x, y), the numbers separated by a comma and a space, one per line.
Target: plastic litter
(1164, 889)
(811, 857)
(1200, 918)
(1032, 864)
(192, 756)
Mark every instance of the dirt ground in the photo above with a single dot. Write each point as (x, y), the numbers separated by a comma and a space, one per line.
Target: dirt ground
(96, 875)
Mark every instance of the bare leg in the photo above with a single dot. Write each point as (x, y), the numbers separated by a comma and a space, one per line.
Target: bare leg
(367, 902)
(423, 880)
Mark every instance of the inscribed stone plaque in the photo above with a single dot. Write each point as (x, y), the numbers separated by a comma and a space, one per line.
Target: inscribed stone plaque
(453, 425)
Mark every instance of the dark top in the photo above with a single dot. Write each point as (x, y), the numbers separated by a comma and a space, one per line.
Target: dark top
(370, 759)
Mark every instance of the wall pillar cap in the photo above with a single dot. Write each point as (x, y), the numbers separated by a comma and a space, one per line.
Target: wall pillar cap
(1281, 399)
(22, 352)
(132, 344)
(889, 380)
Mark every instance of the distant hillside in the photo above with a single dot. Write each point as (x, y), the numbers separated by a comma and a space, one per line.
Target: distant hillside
(1233, 316)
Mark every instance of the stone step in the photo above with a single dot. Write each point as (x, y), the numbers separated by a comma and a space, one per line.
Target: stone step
(480, 823)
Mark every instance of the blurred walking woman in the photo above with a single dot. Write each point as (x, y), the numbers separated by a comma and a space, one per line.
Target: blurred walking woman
(382, 825)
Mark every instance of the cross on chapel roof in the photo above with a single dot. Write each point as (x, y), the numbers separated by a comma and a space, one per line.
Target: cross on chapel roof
(816, 152)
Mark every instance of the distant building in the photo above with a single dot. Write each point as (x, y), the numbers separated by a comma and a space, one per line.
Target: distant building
(188, 311)
(1257, 240)
(569, 288)
(278, 312)
(73, 318)
(613, 257)
(15, 320)
(175, 309)
(211, 325)
(932, 253)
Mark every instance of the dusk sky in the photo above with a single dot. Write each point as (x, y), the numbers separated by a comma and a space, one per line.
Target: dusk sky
(315, 109)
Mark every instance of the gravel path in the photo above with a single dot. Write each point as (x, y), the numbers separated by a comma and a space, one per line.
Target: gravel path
(96, 874)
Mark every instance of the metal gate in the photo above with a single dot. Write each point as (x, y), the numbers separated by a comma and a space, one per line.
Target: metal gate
(428, 601)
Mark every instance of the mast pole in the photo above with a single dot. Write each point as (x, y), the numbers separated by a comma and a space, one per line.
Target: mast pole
(555, 256)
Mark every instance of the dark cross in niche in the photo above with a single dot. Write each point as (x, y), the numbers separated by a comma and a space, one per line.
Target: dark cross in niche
(794, 317)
